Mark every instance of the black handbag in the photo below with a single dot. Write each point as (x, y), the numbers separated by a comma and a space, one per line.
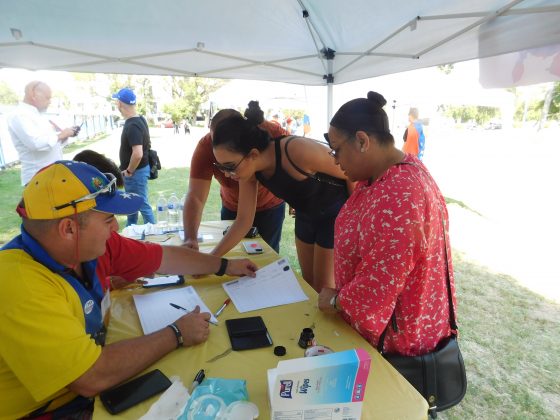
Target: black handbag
(155, 165)
(440, 375)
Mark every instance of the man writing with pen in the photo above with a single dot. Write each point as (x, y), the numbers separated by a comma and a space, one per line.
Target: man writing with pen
(52, 354)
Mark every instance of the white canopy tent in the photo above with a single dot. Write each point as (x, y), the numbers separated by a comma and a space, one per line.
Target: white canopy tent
(309, 42)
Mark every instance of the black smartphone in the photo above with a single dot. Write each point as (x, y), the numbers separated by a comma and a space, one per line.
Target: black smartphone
(130, 393)
(164, 281)
(248, 333)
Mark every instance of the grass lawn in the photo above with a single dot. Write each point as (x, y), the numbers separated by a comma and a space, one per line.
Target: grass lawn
(510, 336)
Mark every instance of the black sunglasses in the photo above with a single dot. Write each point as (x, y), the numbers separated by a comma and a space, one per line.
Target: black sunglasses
(229, 168)
(109, 189)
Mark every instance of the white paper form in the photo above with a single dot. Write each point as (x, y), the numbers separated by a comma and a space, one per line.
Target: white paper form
(155, 311)
(274, 285)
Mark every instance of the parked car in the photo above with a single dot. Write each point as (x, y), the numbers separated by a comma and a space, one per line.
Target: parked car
(493, 125)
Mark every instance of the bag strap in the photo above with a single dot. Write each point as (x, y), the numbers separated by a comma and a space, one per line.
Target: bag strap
(327, 179)
(452, 320)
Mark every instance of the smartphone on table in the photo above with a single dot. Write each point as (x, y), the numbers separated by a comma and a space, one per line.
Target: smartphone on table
(252, 247)
(130, 393)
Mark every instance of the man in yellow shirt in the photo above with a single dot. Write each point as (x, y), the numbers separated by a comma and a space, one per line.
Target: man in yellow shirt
(52, 354)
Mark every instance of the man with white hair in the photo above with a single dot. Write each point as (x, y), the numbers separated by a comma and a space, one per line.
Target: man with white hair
(34, 136)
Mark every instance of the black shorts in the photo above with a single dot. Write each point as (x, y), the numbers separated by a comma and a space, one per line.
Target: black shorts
(317, 228)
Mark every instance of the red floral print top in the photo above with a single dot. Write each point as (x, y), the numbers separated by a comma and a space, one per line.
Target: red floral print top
(389, 255)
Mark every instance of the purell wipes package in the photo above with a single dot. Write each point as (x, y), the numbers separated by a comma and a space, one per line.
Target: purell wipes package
(331, 386)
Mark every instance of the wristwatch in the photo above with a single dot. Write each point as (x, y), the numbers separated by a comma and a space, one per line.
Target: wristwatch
(333, 302)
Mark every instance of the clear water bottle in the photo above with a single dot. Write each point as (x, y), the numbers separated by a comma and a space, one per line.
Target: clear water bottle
(173, 212)
(161, 209)
(181, 210)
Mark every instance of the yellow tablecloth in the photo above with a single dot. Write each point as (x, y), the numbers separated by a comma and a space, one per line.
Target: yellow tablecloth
(388, 394)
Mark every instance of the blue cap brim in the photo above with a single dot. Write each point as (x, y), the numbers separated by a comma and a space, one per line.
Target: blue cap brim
(115, 96)
(121, 203)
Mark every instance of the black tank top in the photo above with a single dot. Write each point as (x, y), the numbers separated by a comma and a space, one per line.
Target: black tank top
(310, 195)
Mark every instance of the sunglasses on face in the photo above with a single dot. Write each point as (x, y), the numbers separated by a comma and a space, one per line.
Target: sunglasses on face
(229, 168)
(109, 189)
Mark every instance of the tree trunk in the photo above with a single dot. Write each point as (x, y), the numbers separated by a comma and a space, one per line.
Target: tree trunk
(546, 106)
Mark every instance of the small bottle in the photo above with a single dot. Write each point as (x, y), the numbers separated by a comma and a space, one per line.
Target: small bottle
(173, 212)
(161, 209)
(306, 338)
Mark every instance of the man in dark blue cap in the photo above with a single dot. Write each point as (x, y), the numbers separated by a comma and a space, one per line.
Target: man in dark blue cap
(133, 153)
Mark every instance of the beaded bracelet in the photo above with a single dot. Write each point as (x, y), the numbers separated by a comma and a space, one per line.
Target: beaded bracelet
(178, 334)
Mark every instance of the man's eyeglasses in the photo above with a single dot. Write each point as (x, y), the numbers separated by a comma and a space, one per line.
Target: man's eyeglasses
(109, 189)
(229, 168)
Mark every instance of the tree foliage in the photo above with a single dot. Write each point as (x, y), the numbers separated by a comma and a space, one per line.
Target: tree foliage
(188, 94)
(480, 114)
(7, 95)
(294, 113)
(446, 68)
(534, 110)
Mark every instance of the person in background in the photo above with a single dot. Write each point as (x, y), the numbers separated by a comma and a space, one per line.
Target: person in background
(53, 357)
(289, 125)
(133, 154)
(414, 140)
(38, 141)
(276, 120)
(270, 210)
(390, 252)
(102, 163)
(306, 125)
(296, 169)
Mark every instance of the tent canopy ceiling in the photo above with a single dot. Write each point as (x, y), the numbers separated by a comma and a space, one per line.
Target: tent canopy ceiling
(274, 40)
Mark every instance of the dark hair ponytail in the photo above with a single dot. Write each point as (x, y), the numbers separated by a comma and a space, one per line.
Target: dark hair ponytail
(254, 113)
(366, 115)
(239, 135)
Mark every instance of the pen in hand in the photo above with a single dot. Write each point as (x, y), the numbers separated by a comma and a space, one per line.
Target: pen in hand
(219, 311)
(187, 311)
(197, 380)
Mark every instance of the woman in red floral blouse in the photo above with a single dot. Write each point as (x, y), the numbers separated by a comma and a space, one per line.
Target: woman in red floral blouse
(389, 250)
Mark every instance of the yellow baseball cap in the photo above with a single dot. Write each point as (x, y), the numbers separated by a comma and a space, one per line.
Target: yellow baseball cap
(67, 187)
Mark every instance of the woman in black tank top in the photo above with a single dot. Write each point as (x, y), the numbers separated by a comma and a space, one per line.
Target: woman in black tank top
(296, 169)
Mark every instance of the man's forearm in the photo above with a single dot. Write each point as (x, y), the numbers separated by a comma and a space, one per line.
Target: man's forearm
(124, 359)
(133, 164)
(182, 260)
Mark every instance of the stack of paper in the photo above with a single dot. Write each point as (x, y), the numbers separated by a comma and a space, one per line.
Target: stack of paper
(274, 285)
(155, 311)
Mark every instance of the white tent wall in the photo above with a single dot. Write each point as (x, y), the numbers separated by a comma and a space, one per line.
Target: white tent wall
(274, 40)
(307, 42)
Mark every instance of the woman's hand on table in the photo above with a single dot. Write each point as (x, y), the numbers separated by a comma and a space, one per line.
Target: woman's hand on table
(241, 267)
(325, 300)
(194, 327)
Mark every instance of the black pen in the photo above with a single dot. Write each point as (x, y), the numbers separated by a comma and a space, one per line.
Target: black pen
(186, 310)
(197, 380)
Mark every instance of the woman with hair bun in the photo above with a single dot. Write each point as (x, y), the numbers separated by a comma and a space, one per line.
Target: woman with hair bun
(391, 251)
(296, 169)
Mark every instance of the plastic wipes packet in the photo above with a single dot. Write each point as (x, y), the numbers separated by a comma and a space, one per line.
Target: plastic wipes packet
(171, 403)
(220, 399)
(139, 231)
